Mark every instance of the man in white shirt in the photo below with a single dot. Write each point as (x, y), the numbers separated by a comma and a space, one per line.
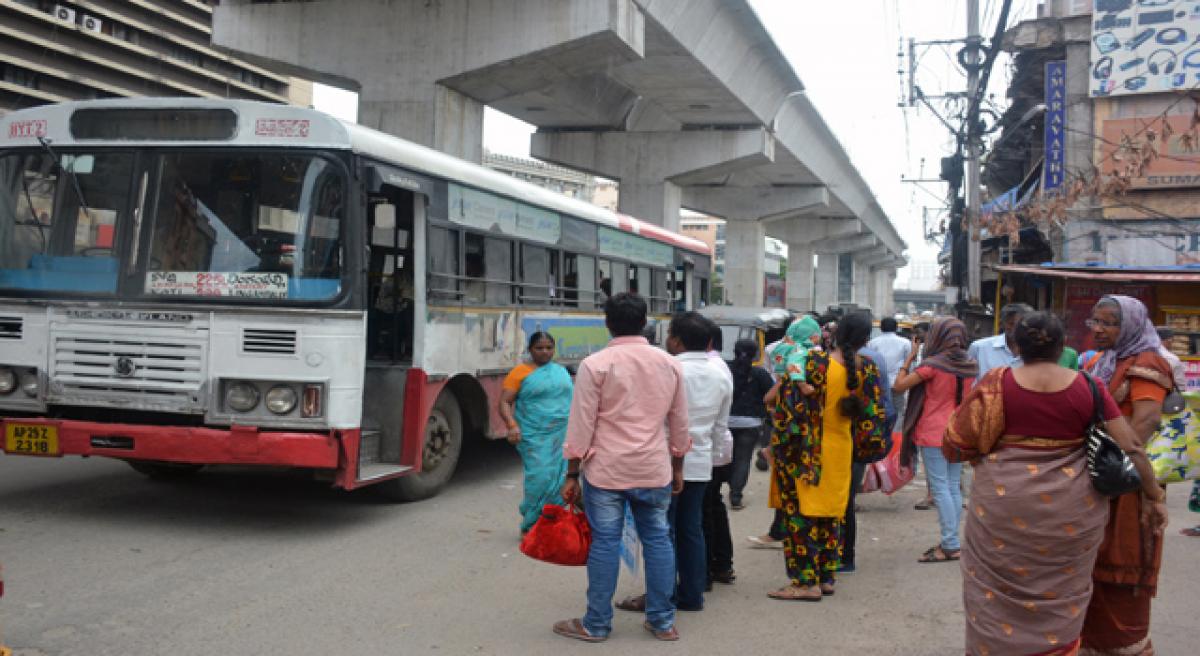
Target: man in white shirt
(892, 347)
(999, 350)
(709, 389)
(894, 350)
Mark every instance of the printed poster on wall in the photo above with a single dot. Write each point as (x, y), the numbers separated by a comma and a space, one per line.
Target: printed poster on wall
(1144, 46)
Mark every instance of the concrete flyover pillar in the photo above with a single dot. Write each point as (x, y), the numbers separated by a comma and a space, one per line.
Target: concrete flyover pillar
(883, 298)
(826, 281)
(800, 277)
(652, 167)
(745, 255)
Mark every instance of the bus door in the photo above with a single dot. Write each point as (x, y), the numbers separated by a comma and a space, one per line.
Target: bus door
(393, 216)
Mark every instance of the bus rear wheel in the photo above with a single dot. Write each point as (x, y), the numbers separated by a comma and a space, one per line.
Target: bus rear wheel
(439, 455)
(164, 471)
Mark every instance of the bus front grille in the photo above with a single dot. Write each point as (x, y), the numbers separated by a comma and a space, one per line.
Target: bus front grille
(150, 369)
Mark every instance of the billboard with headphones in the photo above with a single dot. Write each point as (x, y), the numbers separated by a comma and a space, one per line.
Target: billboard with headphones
(1144, 46)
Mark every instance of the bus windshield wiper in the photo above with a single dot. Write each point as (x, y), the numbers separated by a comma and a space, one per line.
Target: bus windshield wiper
(70, 173)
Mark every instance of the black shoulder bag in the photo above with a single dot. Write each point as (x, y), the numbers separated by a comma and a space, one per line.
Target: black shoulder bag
(1113, 474)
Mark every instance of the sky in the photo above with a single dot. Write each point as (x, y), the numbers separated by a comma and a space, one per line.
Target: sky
(845, 53)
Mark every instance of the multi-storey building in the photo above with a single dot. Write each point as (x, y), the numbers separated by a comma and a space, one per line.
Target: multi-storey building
(58, 50)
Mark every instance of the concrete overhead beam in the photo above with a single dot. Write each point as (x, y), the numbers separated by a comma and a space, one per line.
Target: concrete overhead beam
(761, 203)
(877, 257)
(655, 156)
(384, 39)
(808, 229)
(804, 133)
(846, 244)
(732, 44)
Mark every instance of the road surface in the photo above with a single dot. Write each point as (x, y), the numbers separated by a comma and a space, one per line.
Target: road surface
(100, 560)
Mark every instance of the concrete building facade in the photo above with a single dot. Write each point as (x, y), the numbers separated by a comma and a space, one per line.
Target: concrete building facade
(567, 182)
(53, 51)
(1155, 222)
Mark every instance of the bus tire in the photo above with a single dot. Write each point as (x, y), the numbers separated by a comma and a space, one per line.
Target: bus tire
(441, 448)
(164, 471)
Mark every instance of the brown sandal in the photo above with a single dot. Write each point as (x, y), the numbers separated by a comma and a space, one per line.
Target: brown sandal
(827, 589)
(635, 604)
(939, 555)
(669, 635)
(574, 629)
(791, 593)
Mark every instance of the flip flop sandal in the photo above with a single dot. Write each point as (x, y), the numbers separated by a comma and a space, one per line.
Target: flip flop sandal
(827, 592)
(931, 556)
(635, 604)
(574, 629)
(669, 635)
(787, 594)
(1193, 532)
(757, 542)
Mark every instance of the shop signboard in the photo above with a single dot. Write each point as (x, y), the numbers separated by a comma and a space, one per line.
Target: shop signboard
(1054, 171)
(1081, 297)
(1178, 162)
(1144, 46)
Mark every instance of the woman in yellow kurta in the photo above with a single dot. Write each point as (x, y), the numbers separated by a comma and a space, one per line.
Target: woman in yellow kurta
(820, 429)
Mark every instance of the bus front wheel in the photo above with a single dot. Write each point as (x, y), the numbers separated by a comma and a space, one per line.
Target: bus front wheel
(439, 455)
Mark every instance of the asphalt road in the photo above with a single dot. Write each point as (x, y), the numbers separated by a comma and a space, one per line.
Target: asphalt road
(99, 560)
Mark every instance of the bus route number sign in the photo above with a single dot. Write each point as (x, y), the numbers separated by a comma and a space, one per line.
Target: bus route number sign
(223, 284)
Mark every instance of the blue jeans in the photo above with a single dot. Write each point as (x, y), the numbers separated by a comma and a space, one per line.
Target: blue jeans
(943, 479)
(605, 511)
(687, 532)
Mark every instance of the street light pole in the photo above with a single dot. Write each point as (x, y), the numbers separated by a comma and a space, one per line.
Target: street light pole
(974, 202)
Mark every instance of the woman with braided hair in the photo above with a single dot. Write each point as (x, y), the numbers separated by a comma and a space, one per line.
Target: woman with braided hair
(1036, 524)
(819, 426)
(935, 390)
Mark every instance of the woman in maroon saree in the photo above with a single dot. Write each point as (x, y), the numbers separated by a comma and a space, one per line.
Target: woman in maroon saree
(1035, 522)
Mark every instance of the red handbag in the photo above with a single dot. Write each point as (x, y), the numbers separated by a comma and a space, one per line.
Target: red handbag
(560, 536)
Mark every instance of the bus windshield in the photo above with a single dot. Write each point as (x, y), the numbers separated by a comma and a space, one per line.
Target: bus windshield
(253, 225)
(48, 239)
(224, 225)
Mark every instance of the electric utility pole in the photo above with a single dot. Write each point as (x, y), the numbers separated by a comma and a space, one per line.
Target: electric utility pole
(973, 155)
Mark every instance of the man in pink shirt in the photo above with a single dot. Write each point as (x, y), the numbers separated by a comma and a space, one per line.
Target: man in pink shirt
(626, 439)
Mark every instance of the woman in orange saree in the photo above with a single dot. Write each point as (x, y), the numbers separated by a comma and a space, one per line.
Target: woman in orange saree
(1035, 522)
(1126, 573)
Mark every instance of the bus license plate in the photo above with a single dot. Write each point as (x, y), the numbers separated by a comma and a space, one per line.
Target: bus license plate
(31, 439)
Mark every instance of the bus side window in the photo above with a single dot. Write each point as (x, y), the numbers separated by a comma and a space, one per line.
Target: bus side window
(579, 280)
(488, 271)
(539, 273)
(660, 291)
(620, 277)
(443, 264)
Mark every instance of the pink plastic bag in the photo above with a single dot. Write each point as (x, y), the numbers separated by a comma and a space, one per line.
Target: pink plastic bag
(887, 475)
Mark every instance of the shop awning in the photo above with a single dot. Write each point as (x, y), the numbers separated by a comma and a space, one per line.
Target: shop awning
(1106, 273)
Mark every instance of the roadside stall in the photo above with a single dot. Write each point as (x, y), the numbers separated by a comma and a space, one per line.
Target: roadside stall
(1171, 294)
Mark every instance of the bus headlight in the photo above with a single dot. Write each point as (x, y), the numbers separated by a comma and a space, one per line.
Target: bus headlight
(29, 383)
(8, 380)
(281, 399)
(242, 397)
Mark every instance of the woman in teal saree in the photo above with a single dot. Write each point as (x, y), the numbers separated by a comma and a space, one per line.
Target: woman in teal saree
(535, 403)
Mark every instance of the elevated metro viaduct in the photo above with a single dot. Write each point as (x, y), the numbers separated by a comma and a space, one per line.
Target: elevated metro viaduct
(688, 103)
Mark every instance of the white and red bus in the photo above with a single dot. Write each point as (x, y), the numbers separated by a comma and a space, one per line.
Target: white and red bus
(190, 282)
